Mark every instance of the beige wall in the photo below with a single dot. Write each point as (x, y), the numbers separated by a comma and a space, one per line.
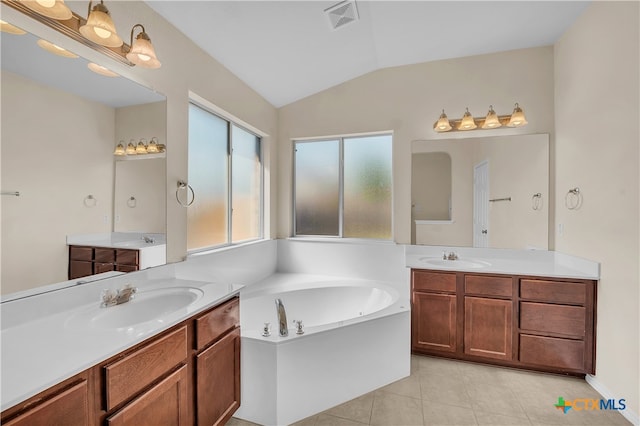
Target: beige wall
(46, 156)
(596, 102)
(431, 185)
(143, 178)
(408, 100)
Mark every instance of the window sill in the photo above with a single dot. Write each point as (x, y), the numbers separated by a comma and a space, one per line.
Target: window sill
(340, 240)
(219, 249)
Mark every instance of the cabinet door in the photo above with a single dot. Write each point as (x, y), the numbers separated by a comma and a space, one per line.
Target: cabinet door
(68, 408)
(488, 328)
(218, 380)
(166, 403)
(433, 323)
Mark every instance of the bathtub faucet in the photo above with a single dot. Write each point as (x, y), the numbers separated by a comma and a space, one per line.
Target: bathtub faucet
(282, 318)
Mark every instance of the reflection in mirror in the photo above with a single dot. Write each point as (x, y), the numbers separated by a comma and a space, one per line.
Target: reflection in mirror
(60, 125)
(504, 213)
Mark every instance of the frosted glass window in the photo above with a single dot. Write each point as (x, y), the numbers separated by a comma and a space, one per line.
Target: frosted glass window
(225, 172)
(317, 188)
(208, 171)
(246, 178)
(342, 187)
(367, 187)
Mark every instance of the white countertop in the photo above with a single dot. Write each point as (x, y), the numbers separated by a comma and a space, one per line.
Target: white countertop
(118, 240)
(44, 344)
(541, 263)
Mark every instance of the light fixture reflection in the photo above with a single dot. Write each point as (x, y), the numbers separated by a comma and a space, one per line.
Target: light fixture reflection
(142, 52)
(6, 27)
(55, 9)
(152, 148)
(99, 69)
(100, 28)
(492, 121)
(120, 149)
(142, 147)
(55, 49)
(131, 148)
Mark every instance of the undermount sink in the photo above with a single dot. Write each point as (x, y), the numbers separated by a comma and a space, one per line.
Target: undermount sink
(455, 264)
(145, 306)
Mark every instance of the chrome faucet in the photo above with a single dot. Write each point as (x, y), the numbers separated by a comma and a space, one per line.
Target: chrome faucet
(112, 298)
(282, 318)
(148, 240)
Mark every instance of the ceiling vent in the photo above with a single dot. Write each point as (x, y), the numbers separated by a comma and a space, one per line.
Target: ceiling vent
(342, 14)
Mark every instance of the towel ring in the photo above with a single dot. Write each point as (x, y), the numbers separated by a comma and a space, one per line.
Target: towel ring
(90, 201)
(573, 199)
(132, 202)
(185, 185)
(536, 201)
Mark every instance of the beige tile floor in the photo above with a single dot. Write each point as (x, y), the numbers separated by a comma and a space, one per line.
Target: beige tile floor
(448, 392)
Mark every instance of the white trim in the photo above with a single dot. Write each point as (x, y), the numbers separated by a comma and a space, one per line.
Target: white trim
(199, 100)
(346, 135)
(434, 222)
(628, 414)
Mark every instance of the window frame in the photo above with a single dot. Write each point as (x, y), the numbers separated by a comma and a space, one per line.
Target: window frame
(230, 121)
(340, 236)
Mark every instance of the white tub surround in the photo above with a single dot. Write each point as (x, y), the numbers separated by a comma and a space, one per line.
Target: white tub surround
(50, 337)
(152, 250)
(502, 261)
(356, 339)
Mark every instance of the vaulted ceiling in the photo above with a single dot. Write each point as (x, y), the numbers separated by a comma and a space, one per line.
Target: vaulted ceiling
(287, 50)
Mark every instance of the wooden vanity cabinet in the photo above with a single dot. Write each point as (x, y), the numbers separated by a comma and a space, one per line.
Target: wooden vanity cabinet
(68, 403)
(528, 322)
(218, 364)
(189, 374)
(488, 317)
(434, 312)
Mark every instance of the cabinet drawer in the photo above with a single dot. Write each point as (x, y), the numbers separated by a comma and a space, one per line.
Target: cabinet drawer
(215, 323)
(488, 285)
(127, 257)
(554, 291)
(79, 269)
(434, 281)
(557, 319)
(104, 255)
(99, 268)
(126, 268)
(129, 375)
(552, 352)
(80, 253)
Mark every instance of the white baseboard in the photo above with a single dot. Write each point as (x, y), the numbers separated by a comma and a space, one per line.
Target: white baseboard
(607, 394)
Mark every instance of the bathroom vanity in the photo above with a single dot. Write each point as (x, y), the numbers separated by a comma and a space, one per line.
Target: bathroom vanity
(484, 311)
(180, 366)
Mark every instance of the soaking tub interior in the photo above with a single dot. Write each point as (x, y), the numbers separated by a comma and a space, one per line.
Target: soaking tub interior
(356, 339)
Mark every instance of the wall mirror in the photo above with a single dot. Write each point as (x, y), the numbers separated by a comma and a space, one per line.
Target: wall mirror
(481, 192)
(60, 125)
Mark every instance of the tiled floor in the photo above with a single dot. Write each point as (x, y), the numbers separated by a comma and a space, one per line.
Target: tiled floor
(447, 392)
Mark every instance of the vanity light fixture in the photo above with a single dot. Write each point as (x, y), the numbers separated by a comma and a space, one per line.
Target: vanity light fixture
(54, 9)
(100, 28)
(99, 69)
(491, 121)
(6, 27)
(467, 123)
(97, 31)
(142, 52)
(517, 118)
(55, 49)
(443, 124)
